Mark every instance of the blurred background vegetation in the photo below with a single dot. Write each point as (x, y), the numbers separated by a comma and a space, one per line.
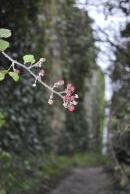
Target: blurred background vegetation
(38, 141)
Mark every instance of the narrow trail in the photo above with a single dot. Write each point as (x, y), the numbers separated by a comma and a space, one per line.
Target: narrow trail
(86, 181)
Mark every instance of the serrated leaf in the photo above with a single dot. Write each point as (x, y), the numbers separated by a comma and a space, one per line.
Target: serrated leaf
(5, 33)
(3, 45)
(29, 59)
(2, 74)
(14, 75)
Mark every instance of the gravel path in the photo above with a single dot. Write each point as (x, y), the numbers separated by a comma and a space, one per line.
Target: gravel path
(85, 181)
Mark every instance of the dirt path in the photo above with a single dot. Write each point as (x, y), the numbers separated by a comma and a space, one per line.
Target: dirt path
(86, 181)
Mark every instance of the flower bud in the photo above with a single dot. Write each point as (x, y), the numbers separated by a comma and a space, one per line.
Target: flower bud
(71, 108)
(60, 82)
(76, 96)
(65, 104)
(42, 60)
(34, 85)
(75, 103)
(50, 101)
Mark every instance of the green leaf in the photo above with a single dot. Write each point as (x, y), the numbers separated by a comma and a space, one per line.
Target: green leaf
(14, 75)
(3, 45)
(29, 59)
(2, 74)
(5, 33)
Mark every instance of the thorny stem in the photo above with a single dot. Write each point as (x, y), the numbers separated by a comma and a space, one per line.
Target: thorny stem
(35, 76)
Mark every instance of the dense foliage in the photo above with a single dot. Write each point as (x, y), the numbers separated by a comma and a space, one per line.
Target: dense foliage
(120, 105)
(120, 102)
(120, 108)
